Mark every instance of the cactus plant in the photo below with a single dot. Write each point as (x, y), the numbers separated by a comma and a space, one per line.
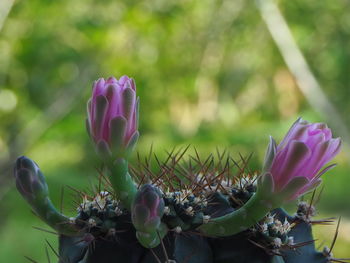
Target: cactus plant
(186, 210)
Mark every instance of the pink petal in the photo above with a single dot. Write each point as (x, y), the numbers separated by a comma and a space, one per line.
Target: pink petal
(98, 88)
(122, 80)
(322, 154)
(313, 140)
(297, 132)
(112, 80)
(297, 155)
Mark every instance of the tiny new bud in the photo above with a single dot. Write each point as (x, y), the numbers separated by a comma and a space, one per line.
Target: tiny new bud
(148, 208)
(146, 214)
(30, 182)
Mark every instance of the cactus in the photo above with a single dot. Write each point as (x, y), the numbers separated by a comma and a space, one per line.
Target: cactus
(186, 210)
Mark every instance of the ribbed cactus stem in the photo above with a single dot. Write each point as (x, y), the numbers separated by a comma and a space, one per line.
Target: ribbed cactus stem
(122, 183)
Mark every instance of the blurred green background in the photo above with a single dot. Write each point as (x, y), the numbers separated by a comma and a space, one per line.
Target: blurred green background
(208, 73)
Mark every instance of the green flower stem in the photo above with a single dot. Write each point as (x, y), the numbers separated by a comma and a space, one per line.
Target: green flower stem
(245, 217)
(152, 239)
(46, 211)
(122, 183)
(258, 206)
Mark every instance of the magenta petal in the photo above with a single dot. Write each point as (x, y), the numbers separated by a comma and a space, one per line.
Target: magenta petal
(98, 87)
(297, 155)
(322, 154)
(297, 132)
(328, 133)
(133, 85)
(113, 96)
(335, 147)
(316, 161)
(315, 139)
(122, 80)
(277, 164)
(112, 80)
(289, 134)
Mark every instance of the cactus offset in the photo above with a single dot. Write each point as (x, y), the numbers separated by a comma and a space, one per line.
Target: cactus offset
(195, 211)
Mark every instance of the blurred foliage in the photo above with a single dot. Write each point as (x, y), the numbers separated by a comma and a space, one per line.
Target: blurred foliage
(207, 72)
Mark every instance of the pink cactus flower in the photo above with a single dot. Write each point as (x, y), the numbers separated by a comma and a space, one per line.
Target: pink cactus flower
(113, 114)
(295, 163)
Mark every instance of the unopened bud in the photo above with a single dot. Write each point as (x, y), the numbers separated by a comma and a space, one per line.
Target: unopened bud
(30, 182)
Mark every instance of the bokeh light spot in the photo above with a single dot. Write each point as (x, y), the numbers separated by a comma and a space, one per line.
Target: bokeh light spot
(8, 100)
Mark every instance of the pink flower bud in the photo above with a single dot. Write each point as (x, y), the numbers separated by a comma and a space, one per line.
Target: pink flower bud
(295, 163)
(30, 182)
(113, 114)
(148, 208)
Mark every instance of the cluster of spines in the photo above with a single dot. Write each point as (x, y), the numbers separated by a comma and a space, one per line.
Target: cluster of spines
(197, 176)
(101, 206)
(184, 210)
(273, 233)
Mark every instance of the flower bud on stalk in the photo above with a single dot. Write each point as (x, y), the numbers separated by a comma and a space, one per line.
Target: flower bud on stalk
(290, 170)
(146, 214)
(112, 125)
(31, 184)
(113, 116)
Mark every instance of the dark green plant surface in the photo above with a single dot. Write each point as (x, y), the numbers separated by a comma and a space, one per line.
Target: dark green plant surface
(193, 248)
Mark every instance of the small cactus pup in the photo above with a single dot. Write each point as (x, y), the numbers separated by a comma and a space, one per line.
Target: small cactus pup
(112, 124)
(290, 170)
